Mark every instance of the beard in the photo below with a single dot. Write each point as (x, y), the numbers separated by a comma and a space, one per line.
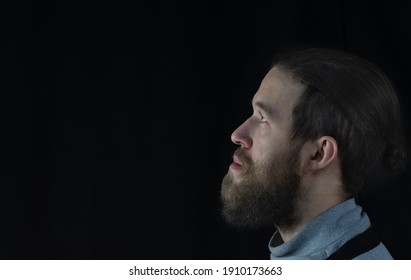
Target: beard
(265, 193)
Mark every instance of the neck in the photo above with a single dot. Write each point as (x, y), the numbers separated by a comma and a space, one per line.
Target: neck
(311, 204)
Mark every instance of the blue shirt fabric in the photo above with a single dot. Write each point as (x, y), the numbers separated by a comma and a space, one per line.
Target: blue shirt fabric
(325, 234)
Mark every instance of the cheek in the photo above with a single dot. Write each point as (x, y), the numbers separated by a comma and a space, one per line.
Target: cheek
(267, 144)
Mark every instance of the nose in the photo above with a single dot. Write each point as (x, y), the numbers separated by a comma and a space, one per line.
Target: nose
(241, 136)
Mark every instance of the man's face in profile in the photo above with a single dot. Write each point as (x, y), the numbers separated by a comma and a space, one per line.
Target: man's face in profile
(262, 183)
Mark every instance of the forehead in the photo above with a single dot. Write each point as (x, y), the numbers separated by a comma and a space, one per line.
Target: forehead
(279, 92)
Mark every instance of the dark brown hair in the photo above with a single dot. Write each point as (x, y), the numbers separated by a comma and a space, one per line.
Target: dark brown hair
(351, 100)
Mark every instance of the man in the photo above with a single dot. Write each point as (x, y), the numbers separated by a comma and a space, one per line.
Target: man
(322, 119)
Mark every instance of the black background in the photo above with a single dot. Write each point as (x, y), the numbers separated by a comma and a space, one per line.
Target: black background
(116, 120)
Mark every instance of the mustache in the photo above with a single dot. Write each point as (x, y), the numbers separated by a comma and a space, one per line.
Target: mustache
(243, 158)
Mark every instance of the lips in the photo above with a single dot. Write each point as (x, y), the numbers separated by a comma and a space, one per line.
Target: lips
(236, 165)
(236, 160)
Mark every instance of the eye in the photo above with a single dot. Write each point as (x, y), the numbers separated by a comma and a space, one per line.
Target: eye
(262, 118)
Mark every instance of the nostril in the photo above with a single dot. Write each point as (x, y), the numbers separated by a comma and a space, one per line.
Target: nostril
(246, 142)
(236, 137)
(242, 139)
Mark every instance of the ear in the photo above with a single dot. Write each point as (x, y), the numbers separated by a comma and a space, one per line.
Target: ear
(320, 154)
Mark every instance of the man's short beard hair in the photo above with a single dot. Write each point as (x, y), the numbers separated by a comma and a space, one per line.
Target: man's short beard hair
(267, 193)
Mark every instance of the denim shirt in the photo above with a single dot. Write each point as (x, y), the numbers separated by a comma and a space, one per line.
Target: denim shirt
(325, 234)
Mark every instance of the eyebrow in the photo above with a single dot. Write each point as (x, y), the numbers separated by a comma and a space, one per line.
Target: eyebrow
(266, 108)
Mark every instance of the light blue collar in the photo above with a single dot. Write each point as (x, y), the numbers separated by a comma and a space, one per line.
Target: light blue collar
(324, 235)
